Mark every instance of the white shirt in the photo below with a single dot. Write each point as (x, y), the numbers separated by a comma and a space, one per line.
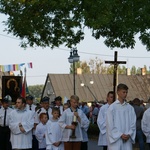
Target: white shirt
(53, 135)
(20, 140)
(32, 107)
(146, 124)
(39, 111)
(39, 133)
(120, 119)
(101, 122)
(2, 113)
(66, 119)
(84, 127)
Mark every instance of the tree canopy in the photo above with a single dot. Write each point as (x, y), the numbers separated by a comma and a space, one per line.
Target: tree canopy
(56, 22)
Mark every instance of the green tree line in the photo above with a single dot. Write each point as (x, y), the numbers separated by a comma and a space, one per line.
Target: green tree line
(97, 66)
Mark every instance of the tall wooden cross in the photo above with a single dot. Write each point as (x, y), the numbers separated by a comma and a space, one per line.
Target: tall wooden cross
(115, 63)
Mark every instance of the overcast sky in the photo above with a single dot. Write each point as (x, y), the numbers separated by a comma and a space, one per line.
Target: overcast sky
(56, 61)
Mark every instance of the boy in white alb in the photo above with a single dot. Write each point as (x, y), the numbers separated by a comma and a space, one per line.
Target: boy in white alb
(68, 118)
(40, 131)
(54, 132)
(120, 122)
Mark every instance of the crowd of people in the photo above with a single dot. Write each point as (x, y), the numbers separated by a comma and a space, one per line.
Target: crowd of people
(123, 124)
(30, 127)
(64, 127)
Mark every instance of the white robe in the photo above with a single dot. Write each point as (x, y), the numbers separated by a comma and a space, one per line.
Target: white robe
(39, 133)
(66, 119)
(18, 139)
(53, 135)
(101, 122)
(146, 124)
(84, 127)
(120, 119)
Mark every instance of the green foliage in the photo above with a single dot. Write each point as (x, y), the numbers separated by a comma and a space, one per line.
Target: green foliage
(44, 23)
(55, 22)
(36, 90)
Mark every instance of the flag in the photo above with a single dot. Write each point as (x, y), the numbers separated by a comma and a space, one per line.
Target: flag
(30, 65)
(21, 64)
(24, 86)
(23, 90)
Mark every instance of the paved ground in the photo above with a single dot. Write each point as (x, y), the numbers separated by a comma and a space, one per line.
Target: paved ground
(92, 145)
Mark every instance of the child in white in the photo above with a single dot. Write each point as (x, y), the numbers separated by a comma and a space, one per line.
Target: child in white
(54, 132)
(40, 131)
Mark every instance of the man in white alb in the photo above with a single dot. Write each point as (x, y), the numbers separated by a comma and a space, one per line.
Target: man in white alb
(21, 122)
(101, 121)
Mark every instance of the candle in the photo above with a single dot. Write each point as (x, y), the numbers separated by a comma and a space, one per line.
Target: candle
(74, 118)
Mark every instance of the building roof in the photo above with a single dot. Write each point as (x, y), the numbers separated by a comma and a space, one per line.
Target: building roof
(62, 85)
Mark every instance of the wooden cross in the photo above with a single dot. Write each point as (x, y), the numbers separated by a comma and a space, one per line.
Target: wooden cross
(115, 63)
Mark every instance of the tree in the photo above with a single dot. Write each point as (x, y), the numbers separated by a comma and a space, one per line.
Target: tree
(36, 90)
(96, 66)
(133, 70)
(52, 23)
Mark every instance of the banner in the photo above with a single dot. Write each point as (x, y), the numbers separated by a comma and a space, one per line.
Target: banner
(14, 67)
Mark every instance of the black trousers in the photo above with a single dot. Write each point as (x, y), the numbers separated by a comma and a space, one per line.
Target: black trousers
(23, 149)
(35, 145)
(104, 147)
(84, 145)
(5, 138)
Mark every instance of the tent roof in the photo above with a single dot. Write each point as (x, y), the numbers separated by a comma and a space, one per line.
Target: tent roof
(62, 85)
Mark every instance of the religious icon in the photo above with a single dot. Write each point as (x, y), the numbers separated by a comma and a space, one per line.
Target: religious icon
(11, 86)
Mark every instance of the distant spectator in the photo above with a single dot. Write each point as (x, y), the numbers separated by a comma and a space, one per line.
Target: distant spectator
(58, 103)
(142, 104)
(85, 108)
(148, 104)
(95, 114)
(139, 114)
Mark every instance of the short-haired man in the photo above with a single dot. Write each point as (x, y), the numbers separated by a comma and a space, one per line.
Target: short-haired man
(120, 122)
(101, 121)
(21, 122)
(29, 103)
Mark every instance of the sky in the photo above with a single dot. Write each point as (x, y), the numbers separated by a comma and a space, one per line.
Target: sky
(46, 60)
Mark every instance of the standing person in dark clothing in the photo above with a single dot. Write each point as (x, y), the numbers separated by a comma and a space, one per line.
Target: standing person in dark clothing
(4, 121)
(58, 103)
(139, 114)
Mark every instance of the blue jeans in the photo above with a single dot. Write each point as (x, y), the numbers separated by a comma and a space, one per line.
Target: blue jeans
(140, 138)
